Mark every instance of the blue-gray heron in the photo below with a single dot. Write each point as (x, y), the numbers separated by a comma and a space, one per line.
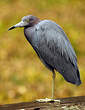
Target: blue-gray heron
(52, 46)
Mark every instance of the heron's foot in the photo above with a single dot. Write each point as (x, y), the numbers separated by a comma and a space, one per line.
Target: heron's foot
(48, 100)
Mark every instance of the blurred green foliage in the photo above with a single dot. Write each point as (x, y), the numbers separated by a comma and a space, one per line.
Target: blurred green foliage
(22, 75)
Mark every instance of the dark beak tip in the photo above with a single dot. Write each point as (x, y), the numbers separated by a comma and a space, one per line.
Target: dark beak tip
(11, 28)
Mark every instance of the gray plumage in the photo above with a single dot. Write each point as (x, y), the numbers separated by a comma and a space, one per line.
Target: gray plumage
(52, 46)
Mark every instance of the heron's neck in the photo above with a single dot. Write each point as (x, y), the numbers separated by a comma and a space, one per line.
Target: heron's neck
(28, 33)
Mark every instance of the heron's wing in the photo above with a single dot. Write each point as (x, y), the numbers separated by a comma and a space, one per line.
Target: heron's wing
(55, 50)
(52, 40)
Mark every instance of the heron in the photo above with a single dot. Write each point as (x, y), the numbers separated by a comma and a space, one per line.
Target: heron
(52, 47)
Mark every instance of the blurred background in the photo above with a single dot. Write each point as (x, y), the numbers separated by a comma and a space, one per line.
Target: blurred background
(22, 75)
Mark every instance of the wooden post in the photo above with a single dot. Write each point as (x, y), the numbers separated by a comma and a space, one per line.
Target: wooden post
(71, 103)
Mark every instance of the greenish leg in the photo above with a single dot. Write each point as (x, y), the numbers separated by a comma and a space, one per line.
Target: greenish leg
(53, 90)
(53, 84)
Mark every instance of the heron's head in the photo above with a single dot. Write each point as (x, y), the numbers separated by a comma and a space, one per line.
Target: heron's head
(27, 21)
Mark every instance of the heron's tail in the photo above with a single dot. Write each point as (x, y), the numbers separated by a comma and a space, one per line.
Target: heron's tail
(79, 81)
(73, 76)
(70, 73)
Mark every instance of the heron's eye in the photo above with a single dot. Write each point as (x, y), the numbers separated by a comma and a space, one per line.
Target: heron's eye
(31, 19)
(26, 20)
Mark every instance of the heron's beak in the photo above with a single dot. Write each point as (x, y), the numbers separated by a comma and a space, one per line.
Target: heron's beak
(20, 24)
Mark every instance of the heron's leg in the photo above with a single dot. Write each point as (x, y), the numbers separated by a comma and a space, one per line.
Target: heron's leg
(53, 88)
(53, 83)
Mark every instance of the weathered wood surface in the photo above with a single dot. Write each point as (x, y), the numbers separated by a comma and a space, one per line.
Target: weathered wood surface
(71, 103)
